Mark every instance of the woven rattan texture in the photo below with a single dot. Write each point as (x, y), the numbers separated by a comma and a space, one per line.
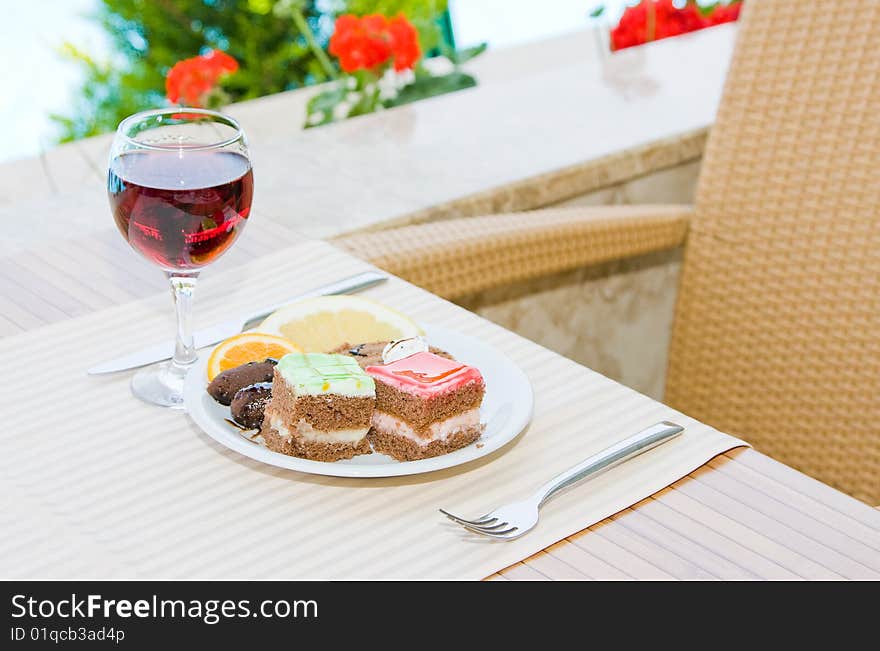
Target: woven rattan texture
(458, 256)
(777, 331)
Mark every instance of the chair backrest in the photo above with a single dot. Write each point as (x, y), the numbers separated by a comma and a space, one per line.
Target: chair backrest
(777, 329)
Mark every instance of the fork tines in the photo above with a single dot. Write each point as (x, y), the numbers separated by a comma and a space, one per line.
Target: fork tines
(485, 525)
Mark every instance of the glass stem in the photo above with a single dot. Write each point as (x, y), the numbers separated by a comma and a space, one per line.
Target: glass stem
(183, 288)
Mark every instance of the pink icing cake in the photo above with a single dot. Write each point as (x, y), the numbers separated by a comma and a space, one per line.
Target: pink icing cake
(426, 405)
(425, 374)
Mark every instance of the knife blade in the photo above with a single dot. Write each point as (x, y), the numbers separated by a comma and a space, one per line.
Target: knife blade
(220, 331)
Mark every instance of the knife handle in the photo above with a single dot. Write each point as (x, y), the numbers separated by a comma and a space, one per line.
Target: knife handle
(345, 286)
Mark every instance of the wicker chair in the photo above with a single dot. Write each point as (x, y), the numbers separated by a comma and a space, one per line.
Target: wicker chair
(777, 328)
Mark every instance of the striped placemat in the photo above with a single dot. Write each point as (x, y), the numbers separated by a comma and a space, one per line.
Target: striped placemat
(742, 516)
(97, 484)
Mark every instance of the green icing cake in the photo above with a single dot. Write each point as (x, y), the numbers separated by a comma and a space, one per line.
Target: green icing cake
(318, 374)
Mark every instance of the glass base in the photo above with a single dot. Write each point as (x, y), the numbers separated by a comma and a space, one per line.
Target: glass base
(161, 384)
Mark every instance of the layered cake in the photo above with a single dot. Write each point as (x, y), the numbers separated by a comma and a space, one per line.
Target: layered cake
(426, 405)
(321, 407)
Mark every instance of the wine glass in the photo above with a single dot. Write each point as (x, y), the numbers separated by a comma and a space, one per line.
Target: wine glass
(180, 187)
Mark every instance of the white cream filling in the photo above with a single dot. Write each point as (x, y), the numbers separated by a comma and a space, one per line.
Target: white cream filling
(436, 431)
(305, 431)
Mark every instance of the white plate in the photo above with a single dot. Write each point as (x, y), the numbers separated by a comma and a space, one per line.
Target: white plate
(506, 410)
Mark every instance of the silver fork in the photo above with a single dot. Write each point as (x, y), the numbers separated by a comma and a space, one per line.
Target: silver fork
(513, 520)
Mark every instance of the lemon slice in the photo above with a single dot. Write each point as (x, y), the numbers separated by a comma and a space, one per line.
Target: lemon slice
(247, 347)
(322, 324)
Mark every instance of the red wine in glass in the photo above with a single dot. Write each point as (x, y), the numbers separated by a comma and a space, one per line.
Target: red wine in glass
(180, 210)
(180, 187)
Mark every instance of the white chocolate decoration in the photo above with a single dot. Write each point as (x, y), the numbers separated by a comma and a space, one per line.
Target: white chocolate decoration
(401, 348)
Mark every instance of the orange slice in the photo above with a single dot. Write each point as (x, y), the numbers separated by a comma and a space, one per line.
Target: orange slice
(247, 347)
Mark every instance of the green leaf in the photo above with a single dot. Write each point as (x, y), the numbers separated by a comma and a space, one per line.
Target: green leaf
(707, 9)
(326, 100)
(425, 87)
(322, 105)
(463, 56)
(261, 7)
(598, 11)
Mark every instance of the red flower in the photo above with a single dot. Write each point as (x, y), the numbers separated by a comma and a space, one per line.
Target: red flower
(632, 28)
(672, 21)
(369, 42)
(190, 80)
(635, 26)
(404, 43)
(725, 13)
(359, 43)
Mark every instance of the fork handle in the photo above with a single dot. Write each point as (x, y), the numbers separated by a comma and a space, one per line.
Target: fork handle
(610, 457)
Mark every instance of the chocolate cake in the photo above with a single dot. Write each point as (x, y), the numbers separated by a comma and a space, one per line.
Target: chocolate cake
(249, 404)
(426, 405)
(321, 407)
(224, 387)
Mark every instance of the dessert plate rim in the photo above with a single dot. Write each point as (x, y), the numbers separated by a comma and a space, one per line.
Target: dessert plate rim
(507, 410)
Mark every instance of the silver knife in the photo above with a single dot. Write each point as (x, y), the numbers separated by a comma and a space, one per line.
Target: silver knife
(219, 332)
